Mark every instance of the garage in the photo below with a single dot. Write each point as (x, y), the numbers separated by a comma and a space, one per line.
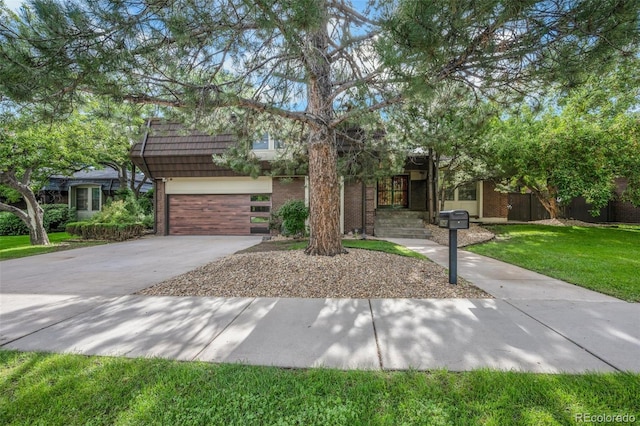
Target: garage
(218, 214)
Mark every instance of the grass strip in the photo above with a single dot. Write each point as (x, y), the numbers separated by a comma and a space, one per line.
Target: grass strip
(13, 247)
(37, 388)
(604, 259)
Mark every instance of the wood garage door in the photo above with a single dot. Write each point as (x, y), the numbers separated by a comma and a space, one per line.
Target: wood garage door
(237, 214)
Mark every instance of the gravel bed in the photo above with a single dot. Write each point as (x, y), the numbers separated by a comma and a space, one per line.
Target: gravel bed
(358, 274)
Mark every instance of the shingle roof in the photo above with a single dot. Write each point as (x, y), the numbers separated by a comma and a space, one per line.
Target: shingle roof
(167, 150)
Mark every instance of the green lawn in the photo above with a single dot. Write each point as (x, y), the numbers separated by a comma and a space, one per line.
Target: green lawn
(77, 390)
(606, 260)
(13, 247)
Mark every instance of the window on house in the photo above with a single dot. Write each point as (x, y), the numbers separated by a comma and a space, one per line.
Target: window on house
(449, 194)
(260, 209)
(82, 198)
(262, 197)
(467, 192)
(95, 199)
(263, 143)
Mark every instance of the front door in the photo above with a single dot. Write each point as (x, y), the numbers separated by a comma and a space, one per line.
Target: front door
(393, 192)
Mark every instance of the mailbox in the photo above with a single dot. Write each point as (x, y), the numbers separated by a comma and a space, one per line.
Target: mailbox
(453, 219)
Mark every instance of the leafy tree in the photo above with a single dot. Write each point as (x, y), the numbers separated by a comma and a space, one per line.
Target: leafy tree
(31, 152)
(311, 62)
(447, 125)
(576, 146)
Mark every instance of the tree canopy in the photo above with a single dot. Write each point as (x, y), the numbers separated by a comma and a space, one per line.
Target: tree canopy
(578, 144)
(317, 63)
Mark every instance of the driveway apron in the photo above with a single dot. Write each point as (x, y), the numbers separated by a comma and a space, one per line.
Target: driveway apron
(39, 291)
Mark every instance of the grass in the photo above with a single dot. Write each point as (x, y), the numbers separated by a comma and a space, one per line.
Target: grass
(606, 260)
(13, 247)
(375, 245)
(38, 388)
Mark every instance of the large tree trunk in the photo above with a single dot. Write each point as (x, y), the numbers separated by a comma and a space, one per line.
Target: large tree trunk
(34, 216)
(548, 201)
(324, 188)
(324, 196)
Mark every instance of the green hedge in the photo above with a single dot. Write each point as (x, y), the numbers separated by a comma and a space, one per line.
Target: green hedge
(105, 231)
(56, 216)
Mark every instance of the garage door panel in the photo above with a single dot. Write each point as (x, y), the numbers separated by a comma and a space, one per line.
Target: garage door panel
(213, 215)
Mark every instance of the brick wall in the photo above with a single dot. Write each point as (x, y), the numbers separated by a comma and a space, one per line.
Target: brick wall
(285, 189)
(494, 203)
(352, 206)
(370, 209)
(159, 201)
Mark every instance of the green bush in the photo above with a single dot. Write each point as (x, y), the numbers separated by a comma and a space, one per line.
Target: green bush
(10, 224)
(56, 216)
(105, 231)
(293, 214)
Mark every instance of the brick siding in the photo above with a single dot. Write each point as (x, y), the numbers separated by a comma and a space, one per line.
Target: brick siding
(494, 203)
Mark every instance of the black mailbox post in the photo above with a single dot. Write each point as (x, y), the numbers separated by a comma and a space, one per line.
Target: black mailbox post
(453, 220)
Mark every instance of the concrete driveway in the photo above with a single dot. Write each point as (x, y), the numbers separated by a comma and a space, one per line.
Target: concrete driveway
(64, 284)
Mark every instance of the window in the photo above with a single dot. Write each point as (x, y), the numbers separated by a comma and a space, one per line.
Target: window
(95, 199)
(260, 209)
(261, 197)
(267, 142)
(263, 143)
(467, 192)
(82, 198)
(449, 194)
(255, 219)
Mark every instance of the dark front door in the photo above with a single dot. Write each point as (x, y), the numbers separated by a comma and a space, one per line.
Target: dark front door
(393, 192)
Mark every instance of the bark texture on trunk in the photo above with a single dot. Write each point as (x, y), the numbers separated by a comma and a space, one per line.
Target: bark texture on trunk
(34, 216)
(548, 200)
(324, 187)
(324, 198)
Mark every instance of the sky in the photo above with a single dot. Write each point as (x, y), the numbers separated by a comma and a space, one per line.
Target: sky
(13, 4)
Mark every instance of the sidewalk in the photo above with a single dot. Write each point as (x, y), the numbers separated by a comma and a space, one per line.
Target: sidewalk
(535, 324)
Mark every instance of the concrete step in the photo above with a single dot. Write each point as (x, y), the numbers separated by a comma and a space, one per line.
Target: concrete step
(409, 223)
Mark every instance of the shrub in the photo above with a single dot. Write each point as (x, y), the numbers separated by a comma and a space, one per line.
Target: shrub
(105, 231)
(293, 214)
(56, 216)
(10, 224)
(119, 220)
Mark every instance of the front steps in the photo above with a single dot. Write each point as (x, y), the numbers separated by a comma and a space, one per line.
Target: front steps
(391, 223)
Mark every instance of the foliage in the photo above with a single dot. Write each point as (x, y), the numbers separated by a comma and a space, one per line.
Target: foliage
(316, 65)
(39, 388)
(120, 219)
(105, 231)
(56, 216)
(32, 151)
(602, 259)
(577, 145)
(11, 224)
(294, 214)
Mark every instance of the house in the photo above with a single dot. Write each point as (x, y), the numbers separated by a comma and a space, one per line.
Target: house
(194, 196)
(87, 190)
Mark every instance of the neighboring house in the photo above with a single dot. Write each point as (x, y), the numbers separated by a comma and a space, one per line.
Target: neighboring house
(86, 191)
(194, 196)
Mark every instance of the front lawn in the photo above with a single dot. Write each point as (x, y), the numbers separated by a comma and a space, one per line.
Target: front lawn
(13, 247)
(604, 259)
(43, 389)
